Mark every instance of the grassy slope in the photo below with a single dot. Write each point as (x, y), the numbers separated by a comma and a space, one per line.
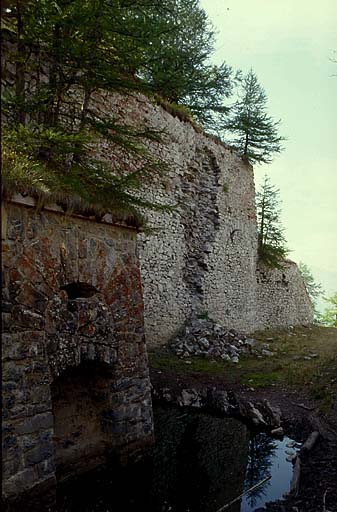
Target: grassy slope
(317, 377)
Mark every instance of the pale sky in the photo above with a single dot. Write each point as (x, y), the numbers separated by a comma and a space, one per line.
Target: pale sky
(289, 44)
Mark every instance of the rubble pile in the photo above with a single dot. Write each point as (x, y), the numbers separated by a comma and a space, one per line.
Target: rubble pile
(208, 339)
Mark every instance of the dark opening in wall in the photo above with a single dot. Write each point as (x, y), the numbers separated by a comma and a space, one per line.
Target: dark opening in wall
(78, 289)
(81, 400)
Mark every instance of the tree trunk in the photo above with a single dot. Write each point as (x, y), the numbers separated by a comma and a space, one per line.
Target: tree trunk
(84, 108)
(245, 151)
(52, 112)
(262, 227)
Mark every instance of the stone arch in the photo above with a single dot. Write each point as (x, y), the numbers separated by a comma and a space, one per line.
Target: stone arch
(83, 411)
(79, 329)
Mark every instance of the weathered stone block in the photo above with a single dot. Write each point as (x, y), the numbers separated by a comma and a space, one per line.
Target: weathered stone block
(11, 371)
(39, 453)
(24, 317)
(10, 467)
(36, 423)
(27, 344)
(20, 482)
(46, 468)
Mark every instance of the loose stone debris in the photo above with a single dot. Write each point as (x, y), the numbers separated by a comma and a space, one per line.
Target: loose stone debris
(260, 414)
(208, 339)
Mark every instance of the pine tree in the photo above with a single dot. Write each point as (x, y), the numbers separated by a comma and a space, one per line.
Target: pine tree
(329, 316)
(314, 289)
(88, 46)
(271, 242)
(83, 47)
(177, 63)
(253, 131)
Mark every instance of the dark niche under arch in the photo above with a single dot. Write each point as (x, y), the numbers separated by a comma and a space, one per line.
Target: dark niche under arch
(79, 289)
(82, 402)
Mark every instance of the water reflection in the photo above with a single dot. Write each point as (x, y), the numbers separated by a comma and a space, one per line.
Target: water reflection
(266, 456)
(261, 453)
(200, 463)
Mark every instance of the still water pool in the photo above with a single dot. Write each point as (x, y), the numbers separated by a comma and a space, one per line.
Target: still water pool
(200, 463)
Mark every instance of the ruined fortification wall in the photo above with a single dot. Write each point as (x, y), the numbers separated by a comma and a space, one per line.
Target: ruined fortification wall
(282, 297)
(202, 259)
(75, 377)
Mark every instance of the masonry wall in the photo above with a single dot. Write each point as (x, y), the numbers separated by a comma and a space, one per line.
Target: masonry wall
(202, 258)
(203, 255)
(282, 297)
(73, 347)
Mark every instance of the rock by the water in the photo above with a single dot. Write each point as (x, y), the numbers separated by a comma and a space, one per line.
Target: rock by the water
(291, 444)
(277, 432)
(290, 452)
(190, 398)
(218, 401)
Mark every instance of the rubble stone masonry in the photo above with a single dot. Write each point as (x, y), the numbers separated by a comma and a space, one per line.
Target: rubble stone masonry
(202, 258)
(75, 375)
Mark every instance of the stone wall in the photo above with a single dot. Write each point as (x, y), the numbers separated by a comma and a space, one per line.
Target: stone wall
(75, 377)
(202, 258)
(282, 297)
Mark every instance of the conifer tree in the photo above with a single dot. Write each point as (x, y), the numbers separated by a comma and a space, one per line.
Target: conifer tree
(315, 290)
(154, 46)
(77, 48)
(253, 132)
(177, 63)
(271, 241)
(329, 316)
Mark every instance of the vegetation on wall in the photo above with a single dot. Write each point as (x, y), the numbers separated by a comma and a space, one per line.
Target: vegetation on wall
(62, 53)
(160, 48)
(93, 193)
(271, 241)
(253, 132)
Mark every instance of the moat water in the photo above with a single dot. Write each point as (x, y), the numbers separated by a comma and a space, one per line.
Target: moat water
(200, 463)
